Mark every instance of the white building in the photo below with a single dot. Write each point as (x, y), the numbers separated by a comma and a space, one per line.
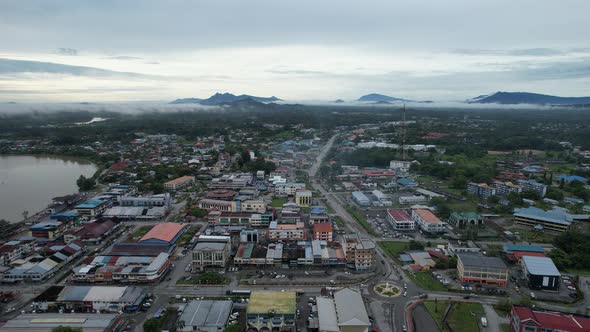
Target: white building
(400, 220)
(428, 222)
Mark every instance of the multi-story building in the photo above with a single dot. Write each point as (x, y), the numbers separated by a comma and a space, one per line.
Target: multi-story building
(318, 215)
(323, 231)
(232, 181)
(211, 251)
(360, 253)
(482, 190)
(477, 268)
(555, 220)
(303, 198)
(505, 188)
(247, 219)
(155, 200)
(124, 269)
(360, 198)
(272, 311)
(287, 232)
(400, 220)
(179, 183)
(219, 205)
(256, 206)
(532, 185)
(16, 249)
(288, 189)
(428, 222)
(524, 319)
(462, 219)
(92, 207)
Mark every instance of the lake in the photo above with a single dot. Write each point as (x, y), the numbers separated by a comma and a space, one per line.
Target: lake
(30, 182)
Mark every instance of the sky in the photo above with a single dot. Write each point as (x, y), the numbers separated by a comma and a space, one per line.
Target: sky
(143, 50)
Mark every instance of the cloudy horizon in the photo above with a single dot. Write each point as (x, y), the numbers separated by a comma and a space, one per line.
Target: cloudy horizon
(106, 51)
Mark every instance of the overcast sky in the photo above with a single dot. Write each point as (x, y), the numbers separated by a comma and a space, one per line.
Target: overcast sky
(88, 50)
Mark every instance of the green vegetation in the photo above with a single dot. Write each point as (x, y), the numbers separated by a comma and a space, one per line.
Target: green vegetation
(65, 329)
(393, 248)
(572, 250)
(85, 184)
(437, 309)
(464, 317)
(232, 328)
(505, 327)
(152, 325)
(360, 219)
(278, 202)
(139, 233)
(426, 280)
(188, 235)
(199, 213)
(207, 278)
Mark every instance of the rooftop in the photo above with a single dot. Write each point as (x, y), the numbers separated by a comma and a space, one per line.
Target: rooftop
(556, 216)
(399, 215)
(323, 227)
(479, 260)
(552, 319)
(90, 204)
(540, 266)
(206, 313)
(180, 179)
(263, 302)
(427, 216)
(165, 231)
(350, 308)
(45, 322)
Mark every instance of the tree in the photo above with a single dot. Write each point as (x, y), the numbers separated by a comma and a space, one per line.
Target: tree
(199, 213)
(85, 184)
(415, 245)
(65, 329)
(152, 325)
(232, 328)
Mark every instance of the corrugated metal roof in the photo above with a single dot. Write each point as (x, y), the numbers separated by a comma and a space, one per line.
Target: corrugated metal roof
(351, 308)
(327, 315)
(540, 266)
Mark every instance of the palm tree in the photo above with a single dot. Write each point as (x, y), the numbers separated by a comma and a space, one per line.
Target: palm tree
(180, 325)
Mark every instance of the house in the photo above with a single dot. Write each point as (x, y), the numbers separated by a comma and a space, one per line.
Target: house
(524, 319)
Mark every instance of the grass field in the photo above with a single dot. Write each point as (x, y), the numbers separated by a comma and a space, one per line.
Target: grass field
(437, 311)
(278, 202)
(360, 219)
(464, 317)
(188, 235)
(505, 327)
(139, 233)
(426, 280)
(393, 248)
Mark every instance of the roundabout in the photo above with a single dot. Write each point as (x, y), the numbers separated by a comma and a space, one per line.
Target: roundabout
(387, 290)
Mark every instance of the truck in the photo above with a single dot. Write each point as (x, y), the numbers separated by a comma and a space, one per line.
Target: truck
(484, 322)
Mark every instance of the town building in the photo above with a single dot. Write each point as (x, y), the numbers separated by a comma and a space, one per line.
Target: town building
(136, 213)
(257, 206)
(123, 269)
(232, 181)
(246, 219)
(323, 231)
(477, 268)
(92, 233)
(413, 199)
(179, 183)
(556, 220)
(482, 190)
(360, 198)
(463, 219)
(287, 232)
(16, 249)
(211, 251)
(532, 185)
(47, 322)
(540, 272)
(92, 207)
(219, 205)
(90, 298)
(221, 194)
(164, 234)
(303, 198)
(154, 200)
(360, 253)
(457, 247)
(400, 220)
(427, 221)
(514, 252)
(346, 312)
(288, 189)
(318, 215)
(505, 188)
(205, 315)
(272, 311)
(249, 235)
(524, 319)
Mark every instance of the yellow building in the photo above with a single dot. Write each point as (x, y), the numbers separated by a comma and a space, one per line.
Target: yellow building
(303, 198)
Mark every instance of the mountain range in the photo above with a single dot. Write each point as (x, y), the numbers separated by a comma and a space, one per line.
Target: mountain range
(510, 98)
(222, 98)
(383, 99)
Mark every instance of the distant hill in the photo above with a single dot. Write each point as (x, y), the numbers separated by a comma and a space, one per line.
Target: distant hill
(509, 98)
(383, 99)
(222, 98)
(338, 101)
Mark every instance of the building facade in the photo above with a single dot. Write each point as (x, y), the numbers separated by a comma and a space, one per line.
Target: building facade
(476, 268)
(427, 221)
(400, 220)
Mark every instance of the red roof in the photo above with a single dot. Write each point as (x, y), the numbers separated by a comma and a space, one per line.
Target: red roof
(519, 254)
(399, 215)
(323, 227)
(378, 172)
(164, 231)
(552, 319)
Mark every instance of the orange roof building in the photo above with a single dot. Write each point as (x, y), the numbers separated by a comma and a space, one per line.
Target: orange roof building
(165, 234)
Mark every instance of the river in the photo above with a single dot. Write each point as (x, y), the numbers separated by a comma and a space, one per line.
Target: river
(28, 183)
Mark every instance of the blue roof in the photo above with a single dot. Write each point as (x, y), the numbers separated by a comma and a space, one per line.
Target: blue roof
(570, 178)
(405, 258)
(509, 248)
(64, 215)
(406, 182)
(90, 204)
(46, 225)
(556, 216)
(573, 200)
(542, 266)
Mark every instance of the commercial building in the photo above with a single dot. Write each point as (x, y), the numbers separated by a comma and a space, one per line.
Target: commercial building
(360, 198)
(458, 247)
(16, 249)
(124, 269)
(505, 188)
(211, 251)
(323, 231)
(346, 312)
(540, 272)
(463, 219)
(532, 185)
(93, 232)
(246, 219)
(166, 233)
(288, 189)
(427, 221)
(46, 322)
(47, 230)
(476, 268)
(89, 298)
(287, 232)
(514, 252)
(303, 198)
(179, 183)
(360, 253)
(219, 205)
(482, 190)
(256, 206)
(92, 207)
(139, 213)
(221, 194)
(318, 215)
(556, 220)
(414, 199)
(205, 315)
(524, 319)
(155, 200)
(400, 220)
(232, 181)
(272, 311)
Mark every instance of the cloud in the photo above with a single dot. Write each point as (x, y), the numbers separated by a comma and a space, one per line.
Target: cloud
(67, 51)
(123, 57)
